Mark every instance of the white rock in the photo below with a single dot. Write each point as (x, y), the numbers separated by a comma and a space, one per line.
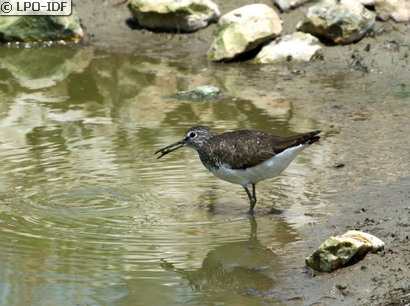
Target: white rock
(338, 251)
(174, 15)
(367, 2)
(286, 5)
(242, 30)
(398, 10)
(295, 47)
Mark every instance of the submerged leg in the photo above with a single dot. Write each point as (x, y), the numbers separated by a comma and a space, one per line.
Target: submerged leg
(252, 197)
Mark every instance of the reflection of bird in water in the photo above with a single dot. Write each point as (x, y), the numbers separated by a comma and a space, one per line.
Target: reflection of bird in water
(244, 266)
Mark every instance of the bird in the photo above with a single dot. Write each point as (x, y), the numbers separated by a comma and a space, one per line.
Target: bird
(243, 157)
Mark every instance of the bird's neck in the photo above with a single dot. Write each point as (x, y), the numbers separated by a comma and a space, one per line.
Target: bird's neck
(208, 159)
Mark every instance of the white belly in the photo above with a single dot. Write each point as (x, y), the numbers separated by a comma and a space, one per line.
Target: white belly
(268, 169)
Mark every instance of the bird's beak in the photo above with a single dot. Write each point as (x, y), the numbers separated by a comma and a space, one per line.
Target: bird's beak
(172, 147)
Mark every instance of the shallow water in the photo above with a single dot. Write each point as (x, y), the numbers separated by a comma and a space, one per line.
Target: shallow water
(89, 216)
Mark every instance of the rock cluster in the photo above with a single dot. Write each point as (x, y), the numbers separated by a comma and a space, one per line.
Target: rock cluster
(257, 26)
(250, 31)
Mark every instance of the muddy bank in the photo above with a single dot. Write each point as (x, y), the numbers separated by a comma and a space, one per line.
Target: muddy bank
(371, 139)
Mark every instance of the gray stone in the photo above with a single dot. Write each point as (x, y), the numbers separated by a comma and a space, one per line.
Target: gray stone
(341, 21)
(297, 46)
(242, 30)
(174, 15)
(40, 28)
(200, 93)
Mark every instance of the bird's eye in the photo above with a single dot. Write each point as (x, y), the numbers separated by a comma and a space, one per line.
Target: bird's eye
(192, 135)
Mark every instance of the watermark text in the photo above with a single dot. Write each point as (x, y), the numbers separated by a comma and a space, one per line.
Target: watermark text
(35, 7)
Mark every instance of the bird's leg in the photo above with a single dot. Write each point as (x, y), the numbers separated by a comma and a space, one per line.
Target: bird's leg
(253, 202)
(252, 197)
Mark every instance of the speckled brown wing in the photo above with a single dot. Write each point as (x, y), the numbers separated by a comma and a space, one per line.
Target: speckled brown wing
(245, 148)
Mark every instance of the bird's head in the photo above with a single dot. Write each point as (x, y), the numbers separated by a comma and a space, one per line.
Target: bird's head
(196, 137)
